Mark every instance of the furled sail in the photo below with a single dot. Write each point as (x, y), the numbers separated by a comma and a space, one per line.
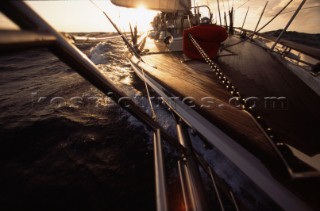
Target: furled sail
(161, 5)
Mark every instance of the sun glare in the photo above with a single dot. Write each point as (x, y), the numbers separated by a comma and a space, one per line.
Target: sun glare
(139, 16)
(141, 7)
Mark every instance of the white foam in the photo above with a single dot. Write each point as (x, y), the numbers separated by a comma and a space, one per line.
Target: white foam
(100, 53)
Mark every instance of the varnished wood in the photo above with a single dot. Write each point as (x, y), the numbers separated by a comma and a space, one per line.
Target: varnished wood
(194, 79)
(258, 74)
(255, 73)
(265, 78)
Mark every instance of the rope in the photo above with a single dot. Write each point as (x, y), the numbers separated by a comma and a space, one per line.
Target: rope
(132, 50)
(124, 38)
(154, 116)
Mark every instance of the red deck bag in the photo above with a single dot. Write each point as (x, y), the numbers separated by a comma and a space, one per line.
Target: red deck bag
(208, 36)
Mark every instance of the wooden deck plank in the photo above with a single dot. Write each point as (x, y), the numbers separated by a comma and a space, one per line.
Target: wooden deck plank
(297, 125)
(267, 77)
(195, 79)
(154, 46)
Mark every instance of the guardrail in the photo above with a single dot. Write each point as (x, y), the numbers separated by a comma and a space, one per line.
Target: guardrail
(37, 33)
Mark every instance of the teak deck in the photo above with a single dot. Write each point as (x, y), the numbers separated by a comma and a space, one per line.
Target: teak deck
(257, 74)
(261, 77)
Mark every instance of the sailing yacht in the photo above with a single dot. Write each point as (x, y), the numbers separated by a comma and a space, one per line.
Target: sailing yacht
(247, 95)
(246, 99)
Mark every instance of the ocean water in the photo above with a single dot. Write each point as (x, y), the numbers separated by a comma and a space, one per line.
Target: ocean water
(66, 146)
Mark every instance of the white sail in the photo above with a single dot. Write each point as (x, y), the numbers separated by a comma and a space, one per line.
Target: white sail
(161, 5)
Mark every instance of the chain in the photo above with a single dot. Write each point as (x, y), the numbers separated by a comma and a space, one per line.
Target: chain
(231, 88)
(281, 148)
(219, 74)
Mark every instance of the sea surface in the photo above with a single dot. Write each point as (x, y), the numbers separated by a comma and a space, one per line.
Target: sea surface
(64, 145)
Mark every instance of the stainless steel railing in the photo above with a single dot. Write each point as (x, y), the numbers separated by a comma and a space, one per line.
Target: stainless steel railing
(36, 32)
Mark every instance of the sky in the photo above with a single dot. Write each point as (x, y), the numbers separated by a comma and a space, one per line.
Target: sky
(306, 21)
(83, 16)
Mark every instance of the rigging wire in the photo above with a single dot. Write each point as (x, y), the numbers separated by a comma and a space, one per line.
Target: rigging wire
(218, 4)
(311, 7)
(224, 7)
(134, 52)
(242, 5)
(255, 30)
(154, 115)
(275, 16)
(239, 6)
(238, 1)
(124, 38)
(245, 18)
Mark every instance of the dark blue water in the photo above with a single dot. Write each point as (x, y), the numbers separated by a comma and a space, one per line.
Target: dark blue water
(64, 146)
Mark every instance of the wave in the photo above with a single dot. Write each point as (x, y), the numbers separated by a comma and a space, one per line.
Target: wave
(108, 52)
